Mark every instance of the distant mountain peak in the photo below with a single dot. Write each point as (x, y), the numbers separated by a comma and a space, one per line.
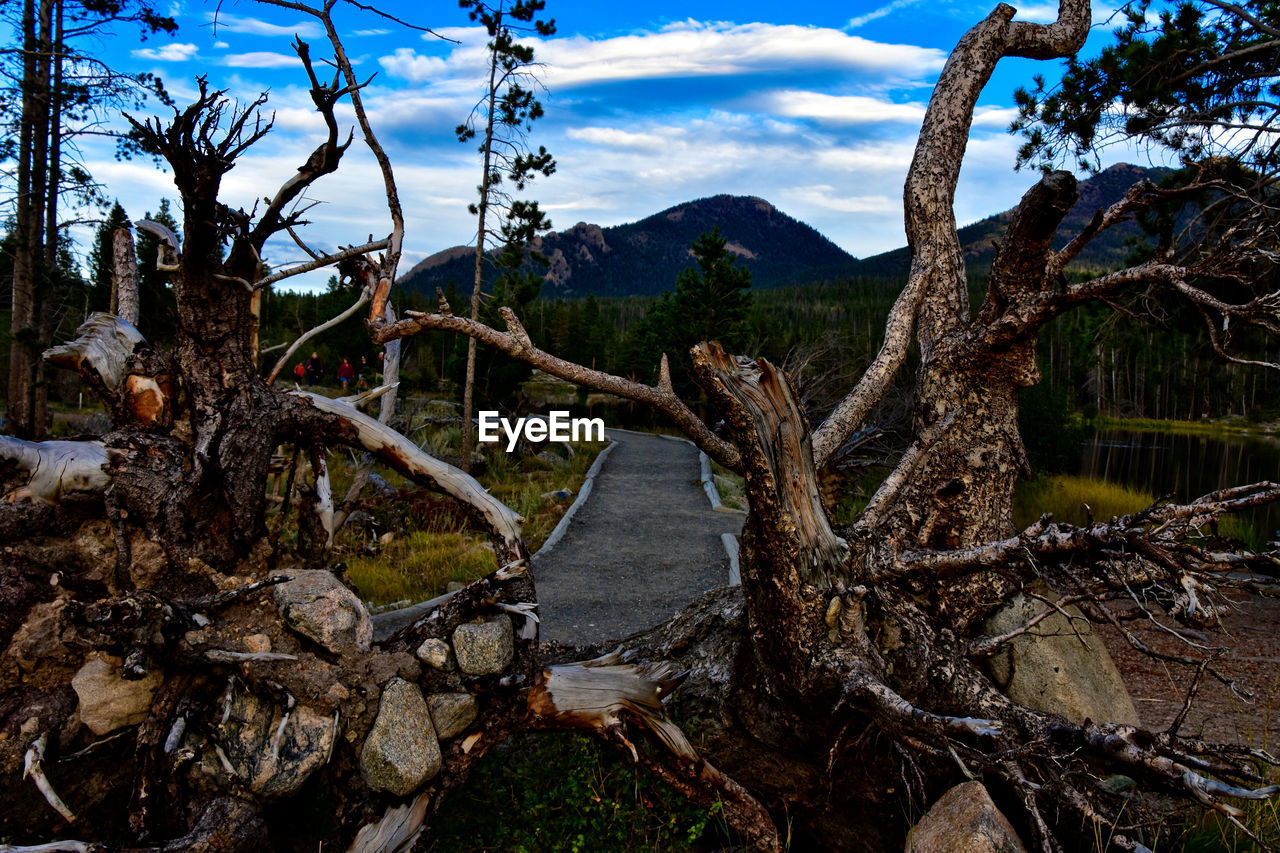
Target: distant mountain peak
(645, 257)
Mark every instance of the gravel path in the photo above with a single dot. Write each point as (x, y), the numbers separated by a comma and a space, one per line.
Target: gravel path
(642, 545)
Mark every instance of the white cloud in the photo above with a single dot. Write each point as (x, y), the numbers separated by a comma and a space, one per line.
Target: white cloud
(613, 137)
(374, 32)
(221, 45)
(256, 26)
(692, 49)
(877, 14)
(995, 118)
(410, 65)
(829, 198)
(1047, 13)
(168, 53)
(841, 109)
(685, 49)
(260, 59)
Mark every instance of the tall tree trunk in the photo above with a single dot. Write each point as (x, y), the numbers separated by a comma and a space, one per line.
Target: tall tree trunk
(26, 418)
(486, 185)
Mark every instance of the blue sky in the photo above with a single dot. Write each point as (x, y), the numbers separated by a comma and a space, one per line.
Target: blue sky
(812, 106)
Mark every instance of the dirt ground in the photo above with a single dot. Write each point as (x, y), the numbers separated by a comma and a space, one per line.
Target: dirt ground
(1251, 630)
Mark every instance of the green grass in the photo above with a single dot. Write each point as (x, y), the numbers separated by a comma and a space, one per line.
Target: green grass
(1064, 496)
(1235, 425)
(429, 543)
(564, 792)
(419, 565)
(1213, 834)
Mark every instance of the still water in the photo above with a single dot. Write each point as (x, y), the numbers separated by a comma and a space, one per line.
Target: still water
(1186, 466)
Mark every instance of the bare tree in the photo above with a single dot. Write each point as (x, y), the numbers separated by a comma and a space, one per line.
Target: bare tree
(848, 656)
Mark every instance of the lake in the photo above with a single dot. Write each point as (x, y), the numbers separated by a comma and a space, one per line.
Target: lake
(1186, 465)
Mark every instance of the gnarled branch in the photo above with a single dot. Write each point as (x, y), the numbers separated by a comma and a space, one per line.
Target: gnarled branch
(516, 343)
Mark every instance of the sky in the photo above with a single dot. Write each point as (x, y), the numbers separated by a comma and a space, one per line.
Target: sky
(813, 107)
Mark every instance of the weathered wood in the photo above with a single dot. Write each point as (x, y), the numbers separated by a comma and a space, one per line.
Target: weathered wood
(101, 350)
(397, 450)
(56, 469)
(124, 276)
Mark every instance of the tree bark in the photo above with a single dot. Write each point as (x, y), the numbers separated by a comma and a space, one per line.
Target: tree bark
(124, 276)
(25, 415)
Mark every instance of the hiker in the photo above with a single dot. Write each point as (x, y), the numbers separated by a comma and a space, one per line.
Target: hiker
(345, 374)
(314, 368)
(299, 371)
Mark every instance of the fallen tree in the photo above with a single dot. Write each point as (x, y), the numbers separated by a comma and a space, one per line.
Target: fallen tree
(175, 679)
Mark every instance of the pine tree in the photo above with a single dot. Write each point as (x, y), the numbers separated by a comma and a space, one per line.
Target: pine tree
(507, 112)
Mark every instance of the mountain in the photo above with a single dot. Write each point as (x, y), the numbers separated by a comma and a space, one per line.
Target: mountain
(1108, 250)
(644, 258)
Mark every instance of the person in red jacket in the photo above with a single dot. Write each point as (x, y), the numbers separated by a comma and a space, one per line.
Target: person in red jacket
(346, 373)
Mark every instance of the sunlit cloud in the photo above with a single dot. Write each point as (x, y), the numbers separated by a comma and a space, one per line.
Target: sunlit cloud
(167, 53)
(612, 137)
(223, 22)
(260, 59)
(685, 49)
(877, 14)
(409, 65)
(843, 109)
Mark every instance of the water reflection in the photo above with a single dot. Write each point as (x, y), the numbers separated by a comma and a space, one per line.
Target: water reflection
(1184, 465)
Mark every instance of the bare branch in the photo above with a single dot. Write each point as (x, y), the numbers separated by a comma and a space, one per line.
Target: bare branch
(323, 327)
(402, 454)
(849, 416)
(319, 262)
(516, 343)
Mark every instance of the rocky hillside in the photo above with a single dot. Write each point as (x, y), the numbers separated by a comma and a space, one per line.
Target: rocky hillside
(978, 239)
(644, 258)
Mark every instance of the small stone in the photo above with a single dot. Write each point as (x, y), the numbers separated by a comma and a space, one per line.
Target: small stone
(451, 713)
(337, 693)
(964, 820)
(437, 654)
(454, 586)
(274, 761)
(39, 637)
(316, 604)
(257, 643)
(484, 648)
(401, 751)
(109, 702)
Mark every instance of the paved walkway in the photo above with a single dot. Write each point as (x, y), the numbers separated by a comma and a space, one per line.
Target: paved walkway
(642, 545)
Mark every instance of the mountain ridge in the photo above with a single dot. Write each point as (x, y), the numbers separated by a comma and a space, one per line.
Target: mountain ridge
(643, 258)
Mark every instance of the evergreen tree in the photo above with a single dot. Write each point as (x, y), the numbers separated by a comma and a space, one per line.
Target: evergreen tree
(507, 112)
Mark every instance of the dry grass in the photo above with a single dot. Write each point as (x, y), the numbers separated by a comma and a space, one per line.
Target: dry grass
(1065, 496)
(427, 546)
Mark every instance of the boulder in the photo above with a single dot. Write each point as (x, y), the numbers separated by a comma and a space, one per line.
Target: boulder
(1055, 668)
(109, 702)
(484, 648)
(273, 761)
(401, 751)
(437, 654)
(316, 605)
(451, 713)
(964, 820)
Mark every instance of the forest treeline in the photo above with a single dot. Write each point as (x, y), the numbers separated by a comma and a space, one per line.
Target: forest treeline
(1094, 361)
